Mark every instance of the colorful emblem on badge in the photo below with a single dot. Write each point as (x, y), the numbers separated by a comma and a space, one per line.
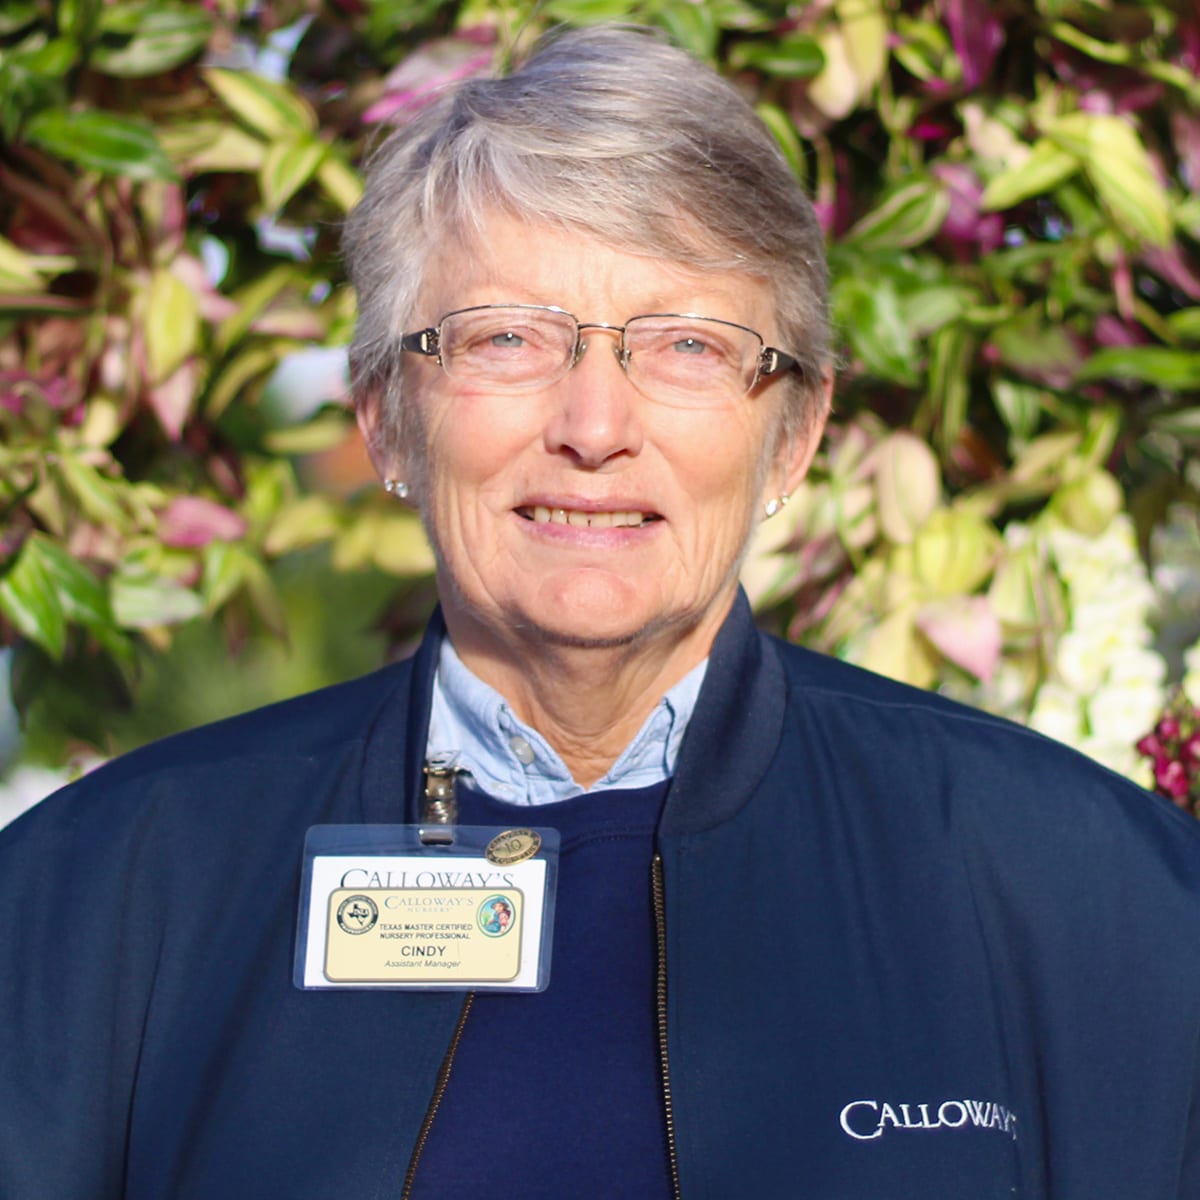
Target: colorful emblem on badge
(495, 916)
(513, 846)
(357, 914)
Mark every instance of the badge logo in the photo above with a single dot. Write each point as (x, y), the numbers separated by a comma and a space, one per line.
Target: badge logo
(357, 914)
(513, 846)
(495, 916)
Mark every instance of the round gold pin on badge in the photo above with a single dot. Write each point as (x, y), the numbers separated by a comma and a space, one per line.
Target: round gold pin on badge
(513, 846)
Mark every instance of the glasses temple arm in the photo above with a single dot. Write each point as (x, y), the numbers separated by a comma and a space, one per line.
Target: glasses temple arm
(772, 361)
(424, 341)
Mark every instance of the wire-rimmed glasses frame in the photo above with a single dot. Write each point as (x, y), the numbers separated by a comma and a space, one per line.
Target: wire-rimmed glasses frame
(498, 356)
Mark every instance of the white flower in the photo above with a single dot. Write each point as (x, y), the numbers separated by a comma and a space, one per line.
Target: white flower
(1191, 675)
(1122, 758)
(1057, 713)
(1121, 712)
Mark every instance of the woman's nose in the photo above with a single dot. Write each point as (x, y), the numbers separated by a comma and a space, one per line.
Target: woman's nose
(596, 412)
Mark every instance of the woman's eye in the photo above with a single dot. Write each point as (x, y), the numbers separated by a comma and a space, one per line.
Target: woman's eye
(690, 345)
(507, 339)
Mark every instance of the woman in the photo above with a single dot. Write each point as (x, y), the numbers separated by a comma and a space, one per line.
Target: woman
(815, 934)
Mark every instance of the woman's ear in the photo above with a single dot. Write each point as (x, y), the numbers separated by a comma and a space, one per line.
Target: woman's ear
(368, 411)
(800, 446)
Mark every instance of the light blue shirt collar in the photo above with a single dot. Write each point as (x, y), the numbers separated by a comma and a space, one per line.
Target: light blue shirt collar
(473, 723)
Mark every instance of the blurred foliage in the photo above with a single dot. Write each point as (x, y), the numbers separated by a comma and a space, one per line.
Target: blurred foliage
(1010, 194)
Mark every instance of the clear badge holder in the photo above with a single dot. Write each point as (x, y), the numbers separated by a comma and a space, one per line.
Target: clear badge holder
(439, 907)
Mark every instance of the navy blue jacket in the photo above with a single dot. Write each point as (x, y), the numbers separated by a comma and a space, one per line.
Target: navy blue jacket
(913, 952)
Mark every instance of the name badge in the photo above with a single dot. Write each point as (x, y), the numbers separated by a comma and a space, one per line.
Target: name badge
(381, 907)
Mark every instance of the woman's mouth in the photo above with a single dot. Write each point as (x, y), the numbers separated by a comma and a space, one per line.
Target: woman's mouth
(542, 515)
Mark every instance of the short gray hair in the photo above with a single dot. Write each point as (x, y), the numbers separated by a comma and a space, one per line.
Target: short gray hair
(608, 130)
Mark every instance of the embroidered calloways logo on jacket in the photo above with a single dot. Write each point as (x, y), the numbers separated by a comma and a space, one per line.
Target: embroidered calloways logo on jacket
(866, 1120)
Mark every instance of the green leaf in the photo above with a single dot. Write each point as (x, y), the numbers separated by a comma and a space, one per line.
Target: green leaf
(951, 350)
(224, 573)
(1032, 345)
(871, 312)
(289, 164)
(212, 146)
(589, 12)
(304, 522)
(797, 56)
(1185, 423)
(55, 58)
(16, 14)
(101, 141)
(1019, 406)
(912, 214)
(1175, 370)
(29, 599)
(78, 18)
(142, 602)
(97, 496)
(784, 132)
(81, 594)
(252, 363)
(738, 14)
(865, 32)
(1045, 168)
(691, 26)
(161, 39)
(18, 270)
(251, 300)
(171, 325)
(1185, 324)
(340, 181)
(325, 431)
(1122, 174)
(929, 308)
(1103, 51)
(269, 108)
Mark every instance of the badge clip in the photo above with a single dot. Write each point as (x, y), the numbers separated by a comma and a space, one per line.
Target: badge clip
(439, 805)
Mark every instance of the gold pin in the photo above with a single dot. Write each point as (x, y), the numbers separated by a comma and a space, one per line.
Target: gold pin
(513, 846)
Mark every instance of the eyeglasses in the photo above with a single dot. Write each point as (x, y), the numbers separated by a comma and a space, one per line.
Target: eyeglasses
(675, 358)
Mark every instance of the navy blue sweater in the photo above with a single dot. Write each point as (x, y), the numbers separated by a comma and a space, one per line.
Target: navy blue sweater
(912, 952)
(571, 1075)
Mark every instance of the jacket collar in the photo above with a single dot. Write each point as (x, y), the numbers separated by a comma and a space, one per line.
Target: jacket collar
(734, 732)
(730, 741)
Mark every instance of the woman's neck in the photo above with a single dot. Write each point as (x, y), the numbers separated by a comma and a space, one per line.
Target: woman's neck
(588, 702)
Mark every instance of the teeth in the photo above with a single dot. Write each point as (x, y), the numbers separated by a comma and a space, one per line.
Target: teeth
(592, 520)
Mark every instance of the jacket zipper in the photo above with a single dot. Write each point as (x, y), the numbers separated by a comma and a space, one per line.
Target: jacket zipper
(439, 1090)
(660, 990)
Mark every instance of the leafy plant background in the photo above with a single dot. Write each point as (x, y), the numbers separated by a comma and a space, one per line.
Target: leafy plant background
(1005, 508)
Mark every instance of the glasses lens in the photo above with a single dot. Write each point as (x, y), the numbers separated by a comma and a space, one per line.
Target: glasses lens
(691, 360)
(510, 347)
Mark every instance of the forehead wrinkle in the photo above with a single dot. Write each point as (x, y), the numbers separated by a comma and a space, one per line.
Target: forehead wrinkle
(478, 264)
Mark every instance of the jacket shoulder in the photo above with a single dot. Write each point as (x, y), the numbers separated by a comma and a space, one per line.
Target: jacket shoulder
(275, 741)
(1009, 783)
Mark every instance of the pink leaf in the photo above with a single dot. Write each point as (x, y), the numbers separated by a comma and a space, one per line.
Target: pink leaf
(1172, 264)
(965, 630)
(212, 305)
(977, 35)
(190, 521)
(968, 230)
(1112, 331)
(172, 399)
(426, 71)
(1185, 131)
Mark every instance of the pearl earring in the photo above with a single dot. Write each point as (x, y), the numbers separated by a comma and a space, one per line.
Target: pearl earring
(396, 488)
(776, 505)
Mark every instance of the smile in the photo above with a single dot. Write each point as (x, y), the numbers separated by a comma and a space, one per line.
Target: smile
(542, 515)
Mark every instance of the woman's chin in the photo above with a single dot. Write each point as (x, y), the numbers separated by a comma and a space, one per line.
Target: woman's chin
(593, 608)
